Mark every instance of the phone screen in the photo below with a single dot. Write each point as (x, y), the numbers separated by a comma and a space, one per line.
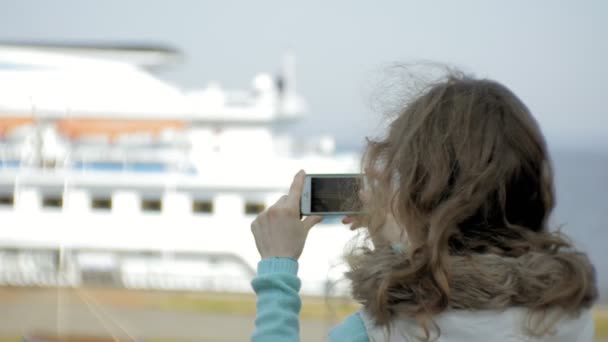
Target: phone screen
(335, 194)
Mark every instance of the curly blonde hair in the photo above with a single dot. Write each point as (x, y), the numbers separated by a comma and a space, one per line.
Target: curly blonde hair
(466, 173)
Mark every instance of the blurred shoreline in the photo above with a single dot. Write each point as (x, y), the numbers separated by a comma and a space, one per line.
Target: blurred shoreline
(166, 316)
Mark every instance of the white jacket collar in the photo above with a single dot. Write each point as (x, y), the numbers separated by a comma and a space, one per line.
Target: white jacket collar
(483, 326)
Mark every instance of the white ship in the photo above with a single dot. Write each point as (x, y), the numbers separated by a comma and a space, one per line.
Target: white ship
(110, 176)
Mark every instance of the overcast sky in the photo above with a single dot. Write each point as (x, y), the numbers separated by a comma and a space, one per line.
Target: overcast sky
(552, 54)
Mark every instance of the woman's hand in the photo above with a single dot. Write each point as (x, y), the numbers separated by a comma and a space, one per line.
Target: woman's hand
(279, 231)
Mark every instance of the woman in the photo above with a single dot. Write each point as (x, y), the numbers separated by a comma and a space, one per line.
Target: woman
(458, 199)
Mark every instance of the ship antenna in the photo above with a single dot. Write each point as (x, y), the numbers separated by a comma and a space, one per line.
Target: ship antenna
(288, 74)
(289, 102)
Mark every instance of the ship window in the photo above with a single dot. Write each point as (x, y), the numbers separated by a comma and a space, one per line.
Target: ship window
(52, 201)
(151, 205)
(202, 206)
(6, 200)
(101, 203)
(254, 208)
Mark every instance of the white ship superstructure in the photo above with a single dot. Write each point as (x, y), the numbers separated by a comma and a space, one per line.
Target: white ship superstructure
(111, 176)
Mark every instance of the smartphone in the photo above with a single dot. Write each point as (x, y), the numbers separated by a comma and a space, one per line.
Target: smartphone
(331, 194)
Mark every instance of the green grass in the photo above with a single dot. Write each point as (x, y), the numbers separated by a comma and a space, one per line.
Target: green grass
(312, 308)
(163, 339)
(600, 316)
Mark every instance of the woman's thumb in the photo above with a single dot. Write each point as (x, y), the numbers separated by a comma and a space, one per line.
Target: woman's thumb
(310, 221)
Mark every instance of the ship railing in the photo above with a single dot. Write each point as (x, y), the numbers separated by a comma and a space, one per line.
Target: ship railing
(162, 282)
(49, 268)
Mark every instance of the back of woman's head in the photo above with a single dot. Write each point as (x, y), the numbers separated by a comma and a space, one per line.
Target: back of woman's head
(467, 166)
(465, 171)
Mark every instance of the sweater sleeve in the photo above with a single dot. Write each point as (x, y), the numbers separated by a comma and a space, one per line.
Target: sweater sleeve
(278, 302)
(278, 306)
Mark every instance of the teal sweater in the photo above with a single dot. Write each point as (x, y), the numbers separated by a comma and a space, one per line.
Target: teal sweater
(278, 306)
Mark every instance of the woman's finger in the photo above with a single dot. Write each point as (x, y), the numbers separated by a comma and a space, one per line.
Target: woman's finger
(354, 221)
(310, 221)
(356, 225)
(295, 191)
